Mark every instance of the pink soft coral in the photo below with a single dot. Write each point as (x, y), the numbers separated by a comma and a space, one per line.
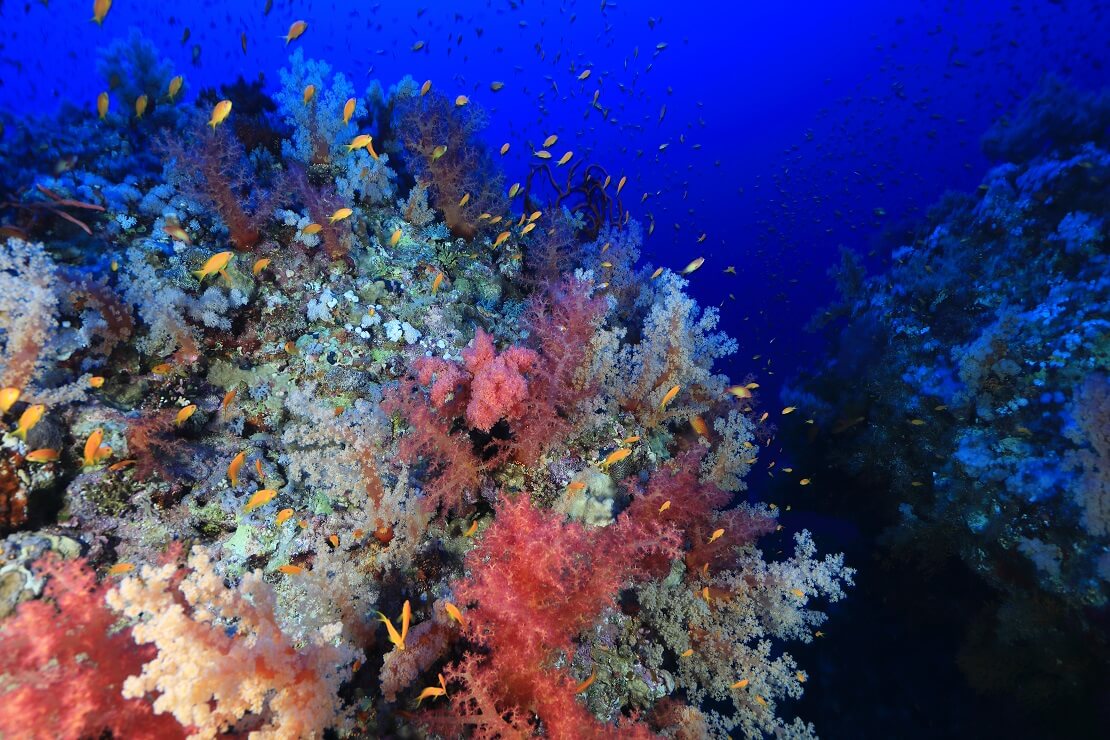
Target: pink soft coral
(498, 388)
(536, 582)
(64, 666)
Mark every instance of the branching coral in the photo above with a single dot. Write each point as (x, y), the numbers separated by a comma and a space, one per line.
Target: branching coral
(222, 654)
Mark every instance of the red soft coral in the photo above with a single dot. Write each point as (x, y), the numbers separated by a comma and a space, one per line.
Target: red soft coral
(64, 666)
(537, 581)
(498, 388)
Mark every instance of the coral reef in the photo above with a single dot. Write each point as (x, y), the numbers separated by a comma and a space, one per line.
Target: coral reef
(970, 380)
(348, 446)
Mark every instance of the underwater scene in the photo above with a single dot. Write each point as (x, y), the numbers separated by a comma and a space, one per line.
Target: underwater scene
(555, 369)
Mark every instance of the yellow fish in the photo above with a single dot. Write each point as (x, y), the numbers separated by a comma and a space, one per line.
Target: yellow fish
(500, 239)
(742, 683)
(615, 457)
(312, 229)
(798, 592)
(504, 147)
(339, 215)
(100, 9)
(42, 455)
(259, 498)
(513, 191)
(309, 93)
(348, 110)
(120, 568)
(804, 482)
(471, 529)
(214, 264)
(461, 100)
(669, 396)
(395, 637)
(260, 265)
(174, 87)
(92, 448)
(740, 391)
(575, 486)
(716, 535)
(8, 397)
(425, 88)
(789, 410)
(464, 200)
(686, 653)
(295, 30)
(550, 141)
(395, 238)
(437, 282)
(542, 154)
(620, 184)
(526, 229)
(102, 105)
(184, 414)
(693, 265)
(657, 273)
(235, 466)
(283, 516)
(454, 613)
(666, 505)
(433, 691)
(220, 112)
(360, 142)
(96, 381)
(584, 75)
(439, 151)
(140, 106)
(290, 570)
(27, 420)
(173, 229)
(565, 158)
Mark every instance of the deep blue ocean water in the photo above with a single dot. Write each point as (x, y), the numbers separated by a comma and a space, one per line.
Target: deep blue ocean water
(778, 131)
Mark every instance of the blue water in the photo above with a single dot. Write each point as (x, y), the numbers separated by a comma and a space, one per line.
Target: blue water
(760, 136)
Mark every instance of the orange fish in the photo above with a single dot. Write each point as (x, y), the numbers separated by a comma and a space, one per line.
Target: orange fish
(43, 455)
(290, 570)
(666, 505)
(260, 265)
(615, 457)
(234, 467)
(92, 448)
(669, 396)
(501, 239)
(437, 282)
(27, 420)
(100, 9)
(8, 397)
(184, 414)
(454, 613)
(471, 529)
(585, 684)
(348, 110)
(259, 498)
(120, 569)
(295, 31)
(700, 426)
(312, 229)
(283, 516)
(433, 691)
(716, 535)
(228, 398)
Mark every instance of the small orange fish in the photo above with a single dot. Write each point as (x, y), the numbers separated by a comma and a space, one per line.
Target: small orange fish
(471, 529)
(184, 414)
(102, 105)
(174, 87)
(550, 141)
(260, 265)
(394, 635)
(716, 535)
(100, 10)
(295, 31)
(742, 683)
(433, 691)
(309, 93)
(140, 106)
(228, 398)
(620, 184)
(615, 457)
(669, 396)
(96, 381)
(348, 110)
(437, 282)
(666, 505)
(686, 653)
(631, 440)
(43, 455)
(501, 239)
(798, 592)
(114, 467)
(574, 487)
(700, 426)
(234, 467)
(259, 498)
(339, 215)
(585, 684)
(395, 238)
(760, 700)
(312, 229)
(173, 228)
(564, 159)
(290, 570)
(283, 516)
(694, 265)
(8, 397)
(360, 142)
(464, 200)
(504, 148)
(584, 75)
(527, 228)
(27, 420)
(657, 273)
(121, 568)
(217, 263)
(461, 100)
(334, 540)
(425, 88)
(804, 482)
(258, 468)
(92, 448)
(406, 617)
(220, 112)
(739, 391)
(439, 151)
(792, 409)
(454, 613)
